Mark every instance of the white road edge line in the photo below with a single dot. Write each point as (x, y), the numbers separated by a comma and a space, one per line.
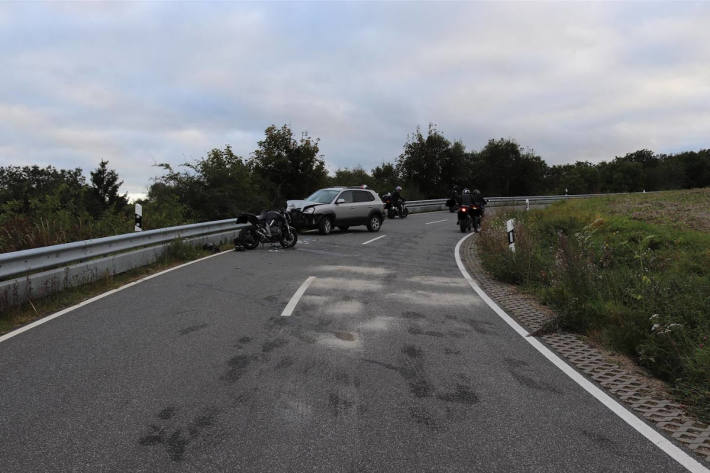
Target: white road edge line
(436, 221)
(627, 416)
(46, 319)
(374, 239)
(288, 310)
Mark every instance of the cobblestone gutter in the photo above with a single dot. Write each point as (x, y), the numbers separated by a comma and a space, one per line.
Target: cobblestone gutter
(637, 393)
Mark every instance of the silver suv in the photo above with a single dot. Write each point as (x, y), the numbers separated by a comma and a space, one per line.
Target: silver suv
(340, 207)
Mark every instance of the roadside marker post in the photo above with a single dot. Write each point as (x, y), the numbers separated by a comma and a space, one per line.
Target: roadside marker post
(510, 227)
(139, 218)
(527, 204)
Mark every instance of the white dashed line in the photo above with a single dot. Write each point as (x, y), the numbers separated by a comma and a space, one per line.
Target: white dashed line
(288, 310)
(644, 429)
(437, 221)
(374, 239)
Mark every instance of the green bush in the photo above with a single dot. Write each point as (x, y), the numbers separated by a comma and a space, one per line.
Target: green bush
(640, 288)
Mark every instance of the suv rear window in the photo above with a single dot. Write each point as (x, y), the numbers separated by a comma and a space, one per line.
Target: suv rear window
(362, 196)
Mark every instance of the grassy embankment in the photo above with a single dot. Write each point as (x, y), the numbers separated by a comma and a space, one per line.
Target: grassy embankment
(630, 272)
(176, 253)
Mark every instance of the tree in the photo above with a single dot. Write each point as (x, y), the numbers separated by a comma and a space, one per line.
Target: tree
(288, 169)
(431, 164)
(217, 186)
(103, 191)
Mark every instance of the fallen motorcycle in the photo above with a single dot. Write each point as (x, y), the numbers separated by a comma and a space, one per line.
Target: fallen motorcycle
(270, 227)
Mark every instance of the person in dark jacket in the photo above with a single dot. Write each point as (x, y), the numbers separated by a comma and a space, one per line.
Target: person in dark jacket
(397, 199)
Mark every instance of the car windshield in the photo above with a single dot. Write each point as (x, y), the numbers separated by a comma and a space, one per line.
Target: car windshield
(323, 196)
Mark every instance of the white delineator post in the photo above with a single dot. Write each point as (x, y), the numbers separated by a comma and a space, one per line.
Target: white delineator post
(510, 227)
(527, 204)
(139, 218)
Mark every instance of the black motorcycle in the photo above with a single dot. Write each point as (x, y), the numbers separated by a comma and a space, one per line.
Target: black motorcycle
(394, 209)
(270, 227)
(470, 217)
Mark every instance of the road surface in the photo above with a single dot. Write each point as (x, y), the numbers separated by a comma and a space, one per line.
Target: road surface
(388, 363)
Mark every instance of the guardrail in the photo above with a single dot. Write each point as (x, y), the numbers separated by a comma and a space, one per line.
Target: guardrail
(41, 271)
(38, 272)
(416, 206)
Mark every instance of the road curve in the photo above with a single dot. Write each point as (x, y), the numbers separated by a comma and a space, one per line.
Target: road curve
(388, 362)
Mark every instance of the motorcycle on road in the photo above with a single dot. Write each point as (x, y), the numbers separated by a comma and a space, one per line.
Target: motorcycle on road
(271, 227)
(394, 209)
(470, 217)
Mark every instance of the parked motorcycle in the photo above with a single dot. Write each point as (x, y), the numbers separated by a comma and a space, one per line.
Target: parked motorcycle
(470, 217)
(394, 209)
(270, 227)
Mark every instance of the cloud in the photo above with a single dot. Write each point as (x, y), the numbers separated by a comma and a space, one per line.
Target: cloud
(144, 83)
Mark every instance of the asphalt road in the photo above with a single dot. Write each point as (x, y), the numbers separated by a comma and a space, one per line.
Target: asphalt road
(389, 363)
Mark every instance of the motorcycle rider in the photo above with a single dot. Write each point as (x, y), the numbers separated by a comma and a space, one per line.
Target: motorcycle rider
(466, 199)
(397, 199)
(479, 200)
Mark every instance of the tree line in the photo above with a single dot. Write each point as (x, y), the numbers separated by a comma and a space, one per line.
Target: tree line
(44, 206)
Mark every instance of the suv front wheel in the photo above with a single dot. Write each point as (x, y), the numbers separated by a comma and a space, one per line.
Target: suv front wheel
(374, 223)
(325, 226)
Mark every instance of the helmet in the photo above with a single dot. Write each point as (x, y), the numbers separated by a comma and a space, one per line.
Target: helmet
(398, 188)
(466, 191)
(476, 192)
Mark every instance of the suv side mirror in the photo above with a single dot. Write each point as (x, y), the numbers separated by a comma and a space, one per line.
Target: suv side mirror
(340, 201)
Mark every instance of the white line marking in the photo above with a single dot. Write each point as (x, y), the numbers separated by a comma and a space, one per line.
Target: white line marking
(436, 221)
(656, 438)
(288, 310)
(374, 239)
(46, 319)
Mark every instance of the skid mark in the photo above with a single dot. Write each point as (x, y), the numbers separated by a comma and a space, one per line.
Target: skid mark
(345, 340)
(525, 376)
(192, 328)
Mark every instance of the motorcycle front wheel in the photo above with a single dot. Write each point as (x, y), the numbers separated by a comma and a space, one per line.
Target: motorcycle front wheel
(464, 224)
(287, 242)
(405, 212)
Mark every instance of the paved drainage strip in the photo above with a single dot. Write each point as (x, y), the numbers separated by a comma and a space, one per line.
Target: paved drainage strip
(633, 391)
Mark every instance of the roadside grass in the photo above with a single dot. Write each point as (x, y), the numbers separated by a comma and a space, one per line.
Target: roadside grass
(175, 254)
(630, 272)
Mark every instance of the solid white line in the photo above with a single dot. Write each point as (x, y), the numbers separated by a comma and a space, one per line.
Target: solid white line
(46, 319)
(374, 239)
(436, 221)
(627, 416)
(288, 310)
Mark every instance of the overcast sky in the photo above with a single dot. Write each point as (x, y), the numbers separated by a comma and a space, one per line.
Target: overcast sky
(144, 83)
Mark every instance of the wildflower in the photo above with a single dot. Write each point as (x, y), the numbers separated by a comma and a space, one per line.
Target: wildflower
(654, 316)
(655, 327)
